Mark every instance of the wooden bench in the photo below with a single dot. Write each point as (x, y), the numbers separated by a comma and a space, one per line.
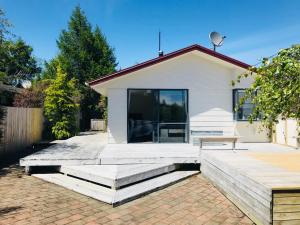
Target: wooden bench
(232, 139)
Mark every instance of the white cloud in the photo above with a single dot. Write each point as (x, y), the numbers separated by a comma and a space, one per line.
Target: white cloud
(253, 48)
(255, 55)
(265, 38)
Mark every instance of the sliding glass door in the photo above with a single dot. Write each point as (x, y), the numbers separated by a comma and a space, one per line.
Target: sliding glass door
(141, 115)
(173, 114)
(157, 115)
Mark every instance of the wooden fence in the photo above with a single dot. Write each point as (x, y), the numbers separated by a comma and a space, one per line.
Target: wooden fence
(97, 125)
(21, 127)
(286, 132)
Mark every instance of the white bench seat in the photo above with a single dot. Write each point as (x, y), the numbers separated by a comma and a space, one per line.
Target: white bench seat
(223, 138)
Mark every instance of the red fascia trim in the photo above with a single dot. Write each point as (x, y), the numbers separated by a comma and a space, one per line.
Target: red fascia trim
(167, 57)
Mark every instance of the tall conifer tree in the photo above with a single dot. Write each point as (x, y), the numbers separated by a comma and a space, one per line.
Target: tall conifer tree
(85, 55)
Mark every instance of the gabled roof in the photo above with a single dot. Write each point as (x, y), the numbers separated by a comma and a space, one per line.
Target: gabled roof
(167, 57)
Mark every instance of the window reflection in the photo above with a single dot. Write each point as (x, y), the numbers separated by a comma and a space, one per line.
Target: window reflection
(157, 115)
(246, 109)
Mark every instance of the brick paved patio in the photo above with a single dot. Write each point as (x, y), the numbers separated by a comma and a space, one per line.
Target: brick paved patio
(28, 200)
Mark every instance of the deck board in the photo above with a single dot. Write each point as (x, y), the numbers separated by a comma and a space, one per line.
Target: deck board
(116, 176)
(266, 189)
(253, 184)
(149, 153)
(79, 150)
(113, 196)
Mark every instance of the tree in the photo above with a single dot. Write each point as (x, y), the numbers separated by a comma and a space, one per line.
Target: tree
(17, 62)
(4, 26)
(104, 60)
(85, 55)
(1, 121)
(275, 91)
(16, 59)
(103, 108)
(76, 46)
(60, 106)
(50, 69)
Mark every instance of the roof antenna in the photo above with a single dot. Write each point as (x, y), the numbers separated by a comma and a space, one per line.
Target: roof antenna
(160, 52)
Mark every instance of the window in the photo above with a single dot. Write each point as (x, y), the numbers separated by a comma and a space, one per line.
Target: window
(159, 116)
(245, 110)
(173, 116)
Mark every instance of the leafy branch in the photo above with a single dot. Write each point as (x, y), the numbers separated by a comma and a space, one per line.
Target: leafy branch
(275, 91)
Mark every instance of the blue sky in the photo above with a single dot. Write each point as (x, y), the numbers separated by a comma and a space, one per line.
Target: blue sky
(254, 29)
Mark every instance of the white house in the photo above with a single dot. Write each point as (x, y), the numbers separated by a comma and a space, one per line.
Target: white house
(175, 96)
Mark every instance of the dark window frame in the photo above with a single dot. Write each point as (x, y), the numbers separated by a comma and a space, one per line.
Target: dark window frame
(162, 89)
(234, 103)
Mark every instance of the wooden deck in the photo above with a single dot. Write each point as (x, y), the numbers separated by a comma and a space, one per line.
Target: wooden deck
(268, 192)
(116, 184)
(79, 150)
(262, 179)
(92, 149)
(117, 176)
(149, 153)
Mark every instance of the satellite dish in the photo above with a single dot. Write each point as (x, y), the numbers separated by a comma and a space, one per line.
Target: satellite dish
(216, 39)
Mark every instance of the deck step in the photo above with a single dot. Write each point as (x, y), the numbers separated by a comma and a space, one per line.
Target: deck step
(112, 196)
(83, 187)
(116, 176)
(151, 185)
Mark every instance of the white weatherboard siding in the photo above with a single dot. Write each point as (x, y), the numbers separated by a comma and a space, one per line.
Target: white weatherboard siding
(208, 82)
(117, 116)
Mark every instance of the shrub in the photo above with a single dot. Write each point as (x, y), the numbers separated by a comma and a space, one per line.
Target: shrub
(60, 107)
(28, 99)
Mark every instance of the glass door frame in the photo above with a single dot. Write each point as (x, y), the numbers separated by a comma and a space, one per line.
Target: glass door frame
(157, 122)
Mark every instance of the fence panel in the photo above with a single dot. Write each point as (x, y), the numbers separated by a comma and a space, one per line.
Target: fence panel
(97, 125)
(287, 133)
(21, 127)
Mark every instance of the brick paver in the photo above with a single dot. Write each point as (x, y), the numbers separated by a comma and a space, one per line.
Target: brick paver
(29, 200)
